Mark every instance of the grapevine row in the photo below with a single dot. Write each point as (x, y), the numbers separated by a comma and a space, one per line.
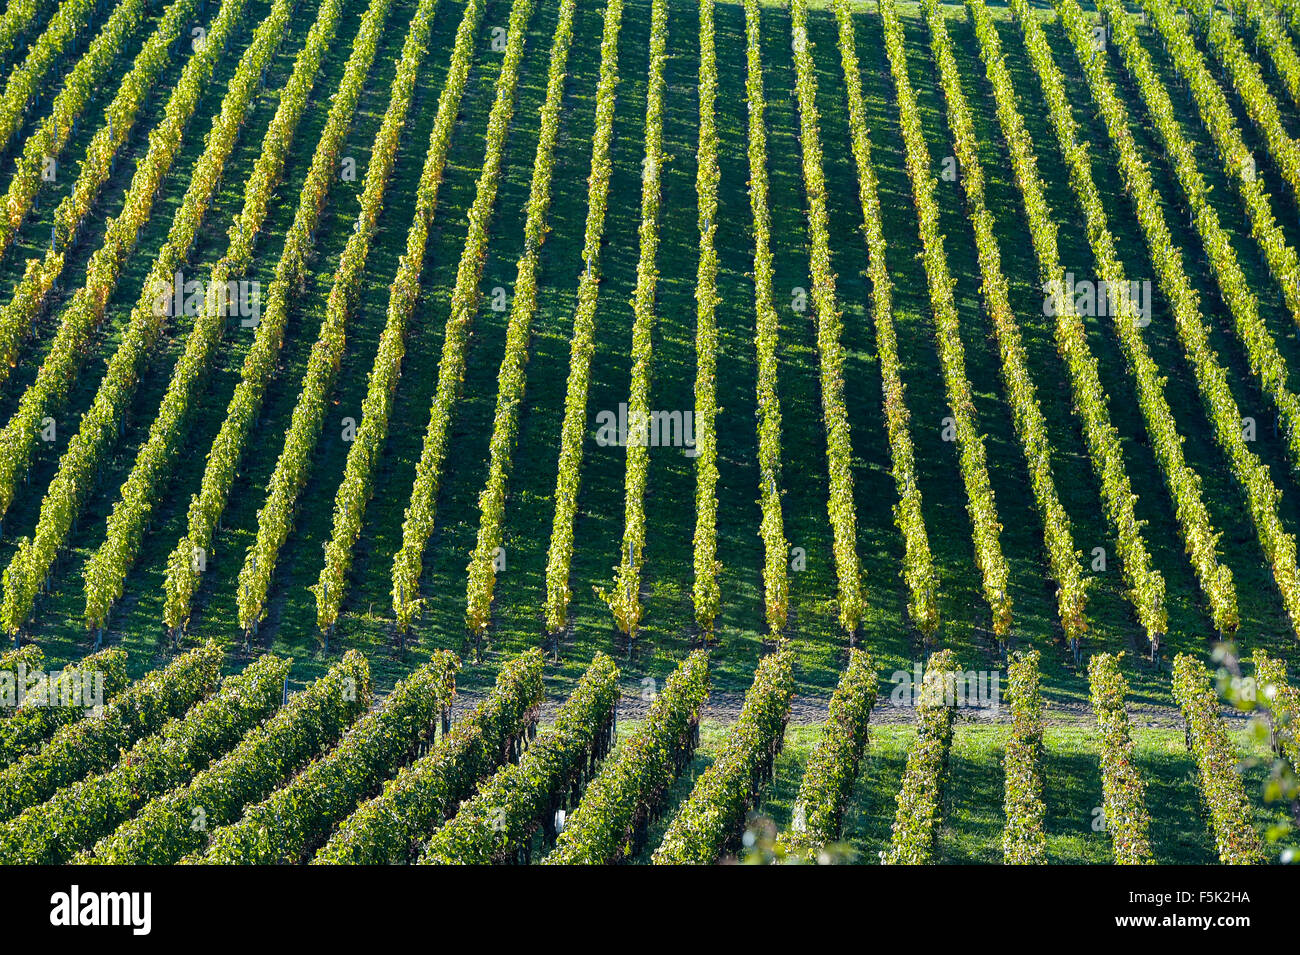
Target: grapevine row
(30, 78)
(830, 348)
(1123, 791)
(947, 334)
(610, 823)
(1018, 384)
(705, 592)
(293, 467)
(19, 15)
(1023, 839)
(1181, 481)
(1282, 706)
(1288, 10)
(512, 375)
(1255, 96)
(92, 746)
(105, 572)
(708, 824)
(1221, 408)
(390, 828)
(29, 655)
(295, 820)
(418, 522)
(260, 362)
(918, 565)
(406, 284)
(767, 327)
(1147, 586)
(46, 143)
(573, 430)
(1222, 790)
(624, 594)
(1269, 31)
(920, 798)
(1217, 117)
(53, 832)
(832, 768)
(497, 825)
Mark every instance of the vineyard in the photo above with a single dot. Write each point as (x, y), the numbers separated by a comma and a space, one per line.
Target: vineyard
(655, 431)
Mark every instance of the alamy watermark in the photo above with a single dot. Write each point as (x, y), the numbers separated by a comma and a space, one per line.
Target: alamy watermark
(658, 429)
(133, 910)
(73, 687)
(971, 689)
(1092, 297)
(240, 298)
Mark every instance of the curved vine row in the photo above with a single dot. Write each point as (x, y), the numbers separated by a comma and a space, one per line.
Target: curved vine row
(28, 655)
(624, 593)
(92, 746)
